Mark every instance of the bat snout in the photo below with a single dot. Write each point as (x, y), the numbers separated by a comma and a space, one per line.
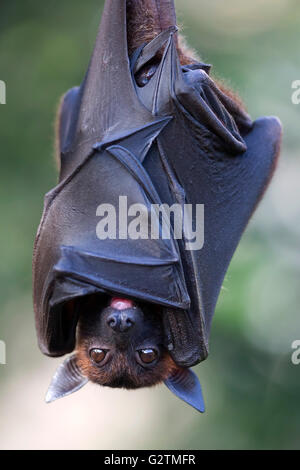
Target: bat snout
(121, 321)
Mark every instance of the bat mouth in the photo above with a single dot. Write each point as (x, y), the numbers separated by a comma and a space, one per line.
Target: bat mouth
(146, 19)
(119, 303)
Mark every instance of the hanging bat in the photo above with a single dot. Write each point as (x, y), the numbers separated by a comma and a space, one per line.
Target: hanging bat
(150, 125)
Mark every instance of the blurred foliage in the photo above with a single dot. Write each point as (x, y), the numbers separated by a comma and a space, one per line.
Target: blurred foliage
(251, 387)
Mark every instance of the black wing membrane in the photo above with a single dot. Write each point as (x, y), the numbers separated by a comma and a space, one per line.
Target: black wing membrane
(219, 158)
(178, 140)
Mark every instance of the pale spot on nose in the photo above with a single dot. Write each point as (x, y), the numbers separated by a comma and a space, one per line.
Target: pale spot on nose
(121, 304)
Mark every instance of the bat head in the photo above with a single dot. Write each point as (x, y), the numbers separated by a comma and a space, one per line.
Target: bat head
(121, 345)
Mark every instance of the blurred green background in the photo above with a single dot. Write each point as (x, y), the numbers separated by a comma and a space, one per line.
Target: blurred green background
(251, 387)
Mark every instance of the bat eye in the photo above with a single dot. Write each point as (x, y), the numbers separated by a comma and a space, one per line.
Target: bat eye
(147, 356)
(97, 355)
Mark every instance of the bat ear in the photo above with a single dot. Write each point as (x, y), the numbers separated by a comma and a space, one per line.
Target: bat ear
(185, 384)
(67, 379)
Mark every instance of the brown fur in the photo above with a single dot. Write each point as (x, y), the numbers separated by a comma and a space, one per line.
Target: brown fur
(121, 373)
(143, 26)
(122, 369)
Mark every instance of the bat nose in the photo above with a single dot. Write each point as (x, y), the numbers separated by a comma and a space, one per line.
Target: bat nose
(121, 321)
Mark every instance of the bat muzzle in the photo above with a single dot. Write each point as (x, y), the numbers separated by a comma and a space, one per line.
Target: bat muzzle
(121, 321)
